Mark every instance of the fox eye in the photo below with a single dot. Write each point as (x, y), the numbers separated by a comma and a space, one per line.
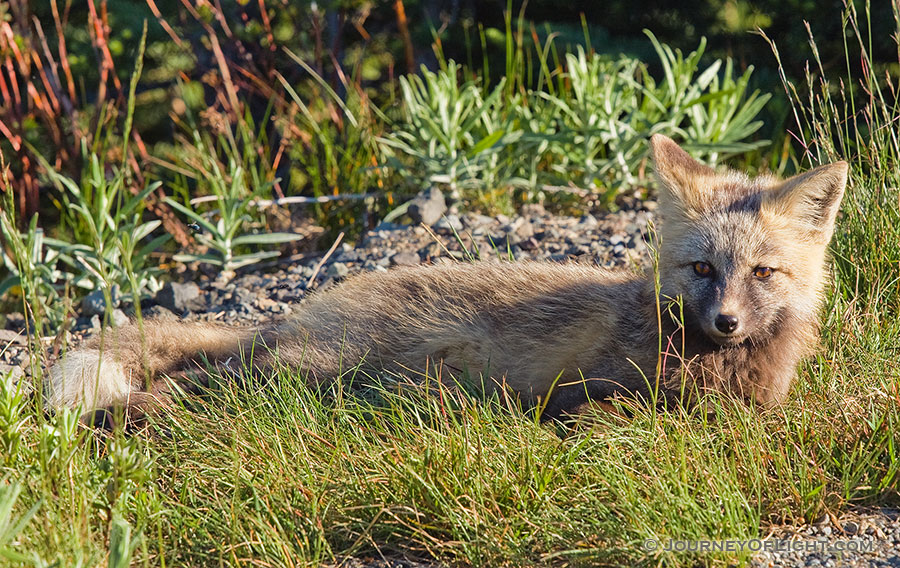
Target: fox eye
(762, 272)
(702, 269)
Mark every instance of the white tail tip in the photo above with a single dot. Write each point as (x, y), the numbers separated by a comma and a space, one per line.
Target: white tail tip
(86, 378)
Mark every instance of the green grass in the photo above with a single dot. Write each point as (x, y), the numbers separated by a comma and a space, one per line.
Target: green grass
(285, 475)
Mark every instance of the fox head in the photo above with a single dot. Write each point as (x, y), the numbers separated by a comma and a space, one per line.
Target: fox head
(747, 256)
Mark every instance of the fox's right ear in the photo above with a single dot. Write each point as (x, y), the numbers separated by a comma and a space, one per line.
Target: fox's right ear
(683, 180)
(811, 199)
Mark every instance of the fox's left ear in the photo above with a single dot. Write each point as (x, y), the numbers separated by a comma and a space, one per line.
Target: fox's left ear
(684, 182)
(811, 198)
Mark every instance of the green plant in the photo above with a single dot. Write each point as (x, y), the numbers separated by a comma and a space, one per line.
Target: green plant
(332, 144)
(598, 135)
(451, 134)
(233, 195)
(853, 118)
(109, 245)
(588, 128)
(108, 229)
(33, 268)
(9, 528)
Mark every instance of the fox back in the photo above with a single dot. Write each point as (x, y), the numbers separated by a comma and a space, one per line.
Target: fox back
(742, 266)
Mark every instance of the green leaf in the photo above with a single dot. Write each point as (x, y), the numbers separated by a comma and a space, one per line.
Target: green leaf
(266, 238)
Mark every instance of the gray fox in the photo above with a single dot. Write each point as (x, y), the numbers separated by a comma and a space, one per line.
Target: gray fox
(742, 263)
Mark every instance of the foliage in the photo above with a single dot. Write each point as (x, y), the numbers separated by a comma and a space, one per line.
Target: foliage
(234, 201)
(108, 230)
(32, 268)
(294, 475)
(591, 131)
(452, 134)
(832, 124)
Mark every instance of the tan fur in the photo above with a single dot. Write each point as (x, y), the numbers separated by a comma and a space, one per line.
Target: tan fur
(570, 332)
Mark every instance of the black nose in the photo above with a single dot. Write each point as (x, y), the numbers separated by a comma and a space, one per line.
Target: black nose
(725, 323)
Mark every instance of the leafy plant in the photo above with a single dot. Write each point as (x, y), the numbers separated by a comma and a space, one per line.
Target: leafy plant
(110, 236)
(588, 128)
(33, 268)
(10, 528)
(234, 198)
(452, 134)
(598, 136)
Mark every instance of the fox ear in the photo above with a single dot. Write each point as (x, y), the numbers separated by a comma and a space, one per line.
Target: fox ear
(683, 180)
(811, 199)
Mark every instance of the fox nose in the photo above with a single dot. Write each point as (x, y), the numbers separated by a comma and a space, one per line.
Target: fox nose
(726, 323)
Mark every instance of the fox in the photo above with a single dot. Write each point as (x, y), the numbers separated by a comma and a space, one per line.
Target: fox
(731, 306)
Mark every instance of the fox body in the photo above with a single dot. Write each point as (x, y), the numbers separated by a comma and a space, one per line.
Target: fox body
(741, 271)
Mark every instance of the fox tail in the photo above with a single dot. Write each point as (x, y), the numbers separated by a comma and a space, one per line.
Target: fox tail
(127, 362)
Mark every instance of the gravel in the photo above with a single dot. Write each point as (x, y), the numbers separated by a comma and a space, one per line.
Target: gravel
(869, 537)
(859, 538)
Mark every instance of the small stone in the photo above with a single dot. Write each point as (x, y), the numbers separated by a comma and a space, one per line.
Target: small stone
(427, 207)
(241, 296)
(8, 336)
(11, 373)
(405, 259)
(449, 223)
(95, 302)
(528, 244)
(525, 230)
(337, 270)
(266, 303)
(118, 318)
(533, 210)
(181, 298)
(588, 221)
(851, 528)
(476, 221)
(15, 321)
(158, 312)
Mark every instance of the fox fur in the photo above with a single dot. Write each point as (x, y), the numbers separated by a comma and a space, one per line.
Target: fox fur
(742, 263)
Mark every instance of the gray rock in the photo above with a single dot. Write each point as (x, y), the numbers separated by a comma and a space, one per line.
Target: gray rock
(588, 221)
(427, 207)
(405, 259)
(525, 230)
(241, 296)
(337, 270)
(95, 303)
(533, 210)
(8, 336)
(449, 223)
(118, 318)
(476, 221)
(11, 373)
(158, 312)
(181, 298)
(15, 321)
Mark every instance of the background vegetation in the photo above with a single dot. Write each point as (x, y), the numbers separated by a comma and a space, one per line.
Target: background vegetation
(342, 110)
(118, 137)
